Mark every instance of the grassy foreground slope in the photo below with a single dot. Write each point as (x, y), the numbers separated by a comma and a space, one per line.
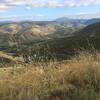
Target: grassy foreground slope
(76, 79)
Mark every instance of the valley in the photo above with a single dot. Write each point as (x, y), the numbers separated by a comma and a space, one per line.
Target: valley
(57, 39)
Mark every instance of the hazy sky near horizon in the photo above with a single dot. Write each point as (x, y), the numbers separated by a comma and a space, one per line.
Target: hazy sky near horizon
(48, 9)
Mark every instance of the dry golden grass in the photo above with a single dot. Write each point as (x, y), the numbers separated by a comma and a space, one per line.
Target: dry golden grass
(77, 79)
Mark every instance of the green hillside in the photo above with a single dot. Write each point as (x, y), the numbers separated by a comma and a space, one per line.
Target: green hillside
(62, 48)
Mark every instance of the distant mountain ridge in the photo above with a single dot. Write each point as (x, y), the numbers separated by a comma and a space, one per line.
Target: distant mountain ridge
(78, 21)
(92, 21)
(69, 20)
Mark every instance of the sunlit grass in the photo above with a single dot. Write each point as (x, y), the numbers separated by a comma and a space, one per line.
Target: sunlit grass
(76, 79)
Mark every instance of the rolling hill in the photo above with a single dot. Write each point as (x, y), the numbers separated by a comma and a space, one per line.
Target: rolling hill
(18, 33)
(14, 34)
(87, 38)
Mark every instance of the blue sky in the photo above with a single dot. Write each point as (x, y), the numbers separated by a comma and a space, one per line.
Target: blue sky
(48, 9)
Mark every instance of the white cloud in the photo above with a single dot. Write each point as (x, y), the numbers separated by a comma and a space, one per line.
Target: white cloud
(50, 3)
(6, 4)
